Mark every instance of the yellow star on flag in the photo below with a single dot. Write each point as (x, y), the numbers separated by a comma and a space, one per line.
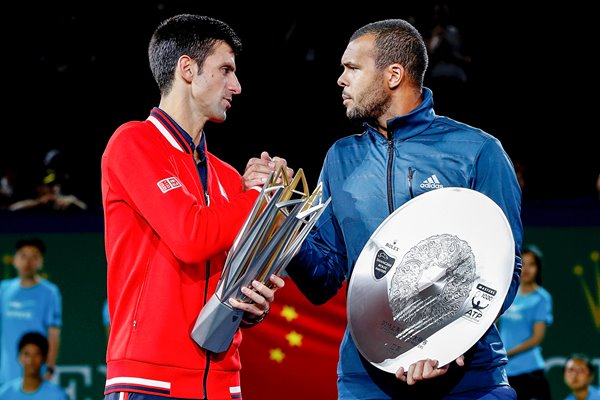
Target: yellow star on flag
(276, 355)
(294, 339)
(289, 313)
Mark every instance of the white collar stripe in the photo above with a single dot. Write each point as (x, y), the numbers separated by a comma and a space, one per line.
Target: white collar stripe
(222, 189)
(164, 132)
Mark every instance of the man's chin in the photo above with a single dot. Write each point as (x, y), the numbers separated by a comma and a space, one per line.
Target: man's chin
(355, 117)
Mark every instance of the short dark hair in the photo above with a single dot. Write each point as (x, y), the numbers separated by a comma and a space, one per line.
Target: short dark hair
(398, 41)
(186, 34)
(35, 242)
(37, 339)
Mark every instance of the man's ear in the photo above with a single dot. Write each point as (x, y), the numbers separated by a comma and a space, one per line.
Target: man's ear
(185, 68)
(395, 75)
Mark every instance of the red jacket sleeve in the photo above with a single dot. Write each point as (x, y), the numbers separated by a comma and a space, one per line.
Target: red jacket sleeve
(134, 163)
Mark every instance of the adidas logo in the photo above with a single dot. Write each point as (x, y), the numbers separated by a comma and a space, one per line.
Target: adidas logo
(431, 183)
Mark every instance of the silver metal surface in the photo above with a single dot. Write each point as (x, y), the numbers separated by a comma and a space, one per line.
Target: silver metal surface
(279, 222)
(431, 279)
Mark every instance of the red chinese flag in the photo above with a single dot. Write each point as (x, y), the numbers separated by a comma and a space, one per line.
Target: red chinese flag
(293, 353)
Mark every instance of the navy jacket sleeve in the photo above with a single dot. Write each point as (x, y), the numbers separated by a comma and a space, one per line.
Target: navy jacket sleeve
(495, 177)
(320, 267)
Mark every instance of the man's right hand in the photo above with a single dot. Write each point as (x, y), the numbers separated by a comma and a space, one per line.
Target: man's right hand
(258, 170)
(425, 369)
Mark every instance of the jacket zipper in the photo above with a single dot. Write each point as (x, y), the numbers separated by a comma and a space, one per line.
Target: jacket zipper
(139, 298)
(208, 353)
(390, 193)
(206, 367)
(410, 175)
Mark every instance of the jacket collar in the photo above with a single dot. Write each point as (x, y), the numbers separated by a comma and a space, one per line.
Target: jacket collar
(411, 124)
(174, 133)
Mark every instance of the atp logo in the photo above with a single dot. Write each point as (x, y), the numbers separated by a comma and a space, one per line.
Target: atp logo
(593, 302)
(479, 302)
(477, 305)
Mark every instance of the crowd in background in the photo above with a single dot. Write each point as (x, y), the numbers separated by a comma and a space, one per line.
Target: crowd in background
(485, 70)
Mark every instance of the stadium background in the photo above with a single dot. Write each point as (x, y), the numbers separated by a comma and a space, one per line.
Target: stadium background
(74, 72)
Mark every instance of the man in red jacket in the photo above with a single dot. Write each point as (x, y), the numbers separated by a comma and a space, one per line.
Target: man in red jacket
(172, 211)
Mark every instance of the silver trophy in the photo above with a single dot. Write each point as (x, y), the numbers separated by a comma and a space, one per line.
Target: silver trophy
(431, 279)
(279, 222)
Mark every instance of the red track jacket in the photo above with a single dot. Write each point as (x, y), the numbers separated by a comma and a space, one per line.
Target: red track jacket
(166, 249)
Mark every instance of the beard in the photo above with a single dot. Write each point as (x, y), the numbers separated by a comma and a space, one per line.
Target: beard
(371, 104)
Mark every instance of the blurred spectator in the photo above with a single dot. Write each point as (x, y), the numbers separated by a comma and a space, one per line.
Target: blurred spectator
(28, 303)
(50, 190)
(520, 170)
(49, 198)
(445, 48)
(32, 350)
(523, 327)
(447, 75)
(579, 375)
(106, 319)
(7, 186)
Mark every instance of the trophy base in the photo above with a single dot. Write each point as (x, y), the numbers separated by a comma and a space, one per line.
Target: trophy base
(216, 325)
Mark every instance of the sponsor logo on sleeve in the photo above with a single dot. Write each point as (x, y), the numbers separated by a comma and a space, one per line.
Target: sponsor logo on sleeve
(168, 184)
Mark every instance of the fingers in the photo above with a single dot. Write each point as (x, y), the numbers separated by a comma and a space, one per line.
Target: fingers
(413, 370)
(421, 370)
(401, 374)
(265, 156)
(260, 296)
(424, 369)
(277, 281)
(460, 361)
(247, 307)
(282, 163)
(256, 174)
(258, 170)
(428, 369)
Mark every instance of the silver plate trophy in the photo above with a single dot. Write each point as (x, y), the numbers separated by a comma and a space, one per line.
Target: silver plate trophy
(279, 222)
(431, 279)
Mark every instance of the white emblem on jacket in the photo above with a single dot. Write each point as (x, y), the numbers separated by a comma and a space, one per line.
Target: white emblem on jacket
(168, 184)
